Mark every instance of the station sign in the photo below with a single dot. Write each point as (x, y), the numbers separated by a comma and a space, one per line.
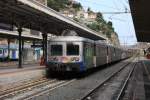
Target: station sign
(36, 45)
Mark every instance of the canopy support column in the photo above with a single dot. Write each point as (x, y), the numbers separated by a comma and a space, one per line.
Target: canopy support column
(20, 46)
(8, 41)
(44, 45)
(45, 49)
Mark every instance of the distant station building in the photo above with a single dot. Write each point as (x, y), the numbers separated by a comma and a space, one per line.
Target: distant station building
(114, 39)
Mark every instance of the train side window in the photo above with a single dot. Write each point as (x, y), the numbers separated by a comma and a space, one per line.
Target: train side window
(107, 51)
(114, 52)
(56, 50)
(1, 51)
(72, 49)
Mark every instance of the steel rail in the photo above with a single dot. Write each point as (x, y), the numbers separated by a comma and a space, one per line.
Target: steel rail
(122, 92)
(26, 83)
(47, 90)
(26, 88)
(107, 79)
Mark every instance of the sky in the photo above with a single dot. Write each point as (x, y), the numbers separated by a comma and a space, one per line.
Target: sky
(122, 23)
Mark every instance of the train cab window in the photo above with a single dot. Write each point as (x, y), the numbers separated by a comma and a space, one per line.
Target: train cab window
(56, 50)
(72, 49)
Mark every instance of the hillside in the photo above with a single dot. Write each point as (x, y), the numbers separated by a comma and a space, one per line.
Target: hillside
(93, 20)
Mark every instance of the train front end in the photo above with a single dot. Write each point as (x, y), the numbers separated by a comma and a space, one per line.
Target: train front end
(65, 56)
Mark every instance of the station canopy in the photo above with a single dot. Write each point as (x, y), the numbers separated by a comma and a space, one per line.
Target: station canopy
(33, 15)
(14, 34)
(140, 10)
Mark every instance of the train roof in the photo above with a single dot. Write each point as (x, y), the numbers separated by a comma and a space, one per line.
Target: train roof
(70, 38)
(101, 42)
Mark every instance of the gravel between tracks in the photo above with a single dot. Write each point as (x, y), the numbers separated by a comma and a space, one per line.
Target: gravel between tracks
(79, 88)
(111, 89)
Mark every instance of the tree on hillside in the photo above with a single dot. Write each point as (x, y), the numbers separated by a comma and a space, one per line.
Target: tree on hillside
(58, 4)
(89, 9)
(77, 6)
(63, 4)
(94, 26)
(99, 18)
(110, 26)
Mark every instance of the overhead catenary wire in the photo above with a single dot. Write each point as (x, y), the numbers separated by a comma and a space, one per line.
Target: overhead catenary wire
(111, 12)
(119, 19)
(116, 10)
(99, 4)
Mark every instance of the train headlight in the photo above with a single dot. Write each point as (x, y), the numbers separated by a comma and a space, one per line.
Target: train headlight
(53, 59)
(75, 59)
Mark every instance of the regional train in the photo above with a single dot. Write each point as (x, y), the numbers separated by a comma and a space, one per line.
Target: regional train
(29, 54)
(4, 52)
(74, 53)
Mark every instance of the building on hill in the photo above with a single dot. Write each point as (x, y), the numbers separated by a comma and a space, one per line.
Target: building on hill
(114, 39)
(92, 16)
(68, 13)
(82, 16)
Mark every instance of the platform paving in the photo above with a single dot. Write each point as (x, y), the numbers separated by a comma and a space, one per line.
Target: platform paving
(14, 76)
(13, 64)
(139, 83)
(146, 77)
(135, 88)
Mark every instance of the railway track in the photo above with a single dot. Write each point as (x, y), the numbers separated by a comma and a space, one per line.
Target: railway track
(18, 89)
(22, 84)
(122, 90)
(44, 86)
(45, 91)
(32, 88)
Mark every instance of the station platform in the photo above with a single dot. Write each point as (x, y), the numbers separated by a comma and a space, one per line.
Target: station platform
(12, 64)
(139, 84)
(146, 77)
(10, 76)
(15, 69)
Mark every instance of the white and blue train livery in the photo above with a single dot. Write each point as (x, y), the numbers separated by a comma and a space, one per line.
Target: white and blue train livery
(3, 52)
(74, 53)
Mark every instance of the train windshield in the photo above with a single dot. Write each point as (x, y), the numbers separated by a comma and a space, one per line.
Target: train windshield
(72, 49)
(56, 50)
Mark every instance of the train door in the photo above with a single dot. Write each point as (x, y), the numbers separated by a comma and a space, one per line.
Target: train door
(107, 54)
(114, 54)
(88, 54)
(95, 56)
